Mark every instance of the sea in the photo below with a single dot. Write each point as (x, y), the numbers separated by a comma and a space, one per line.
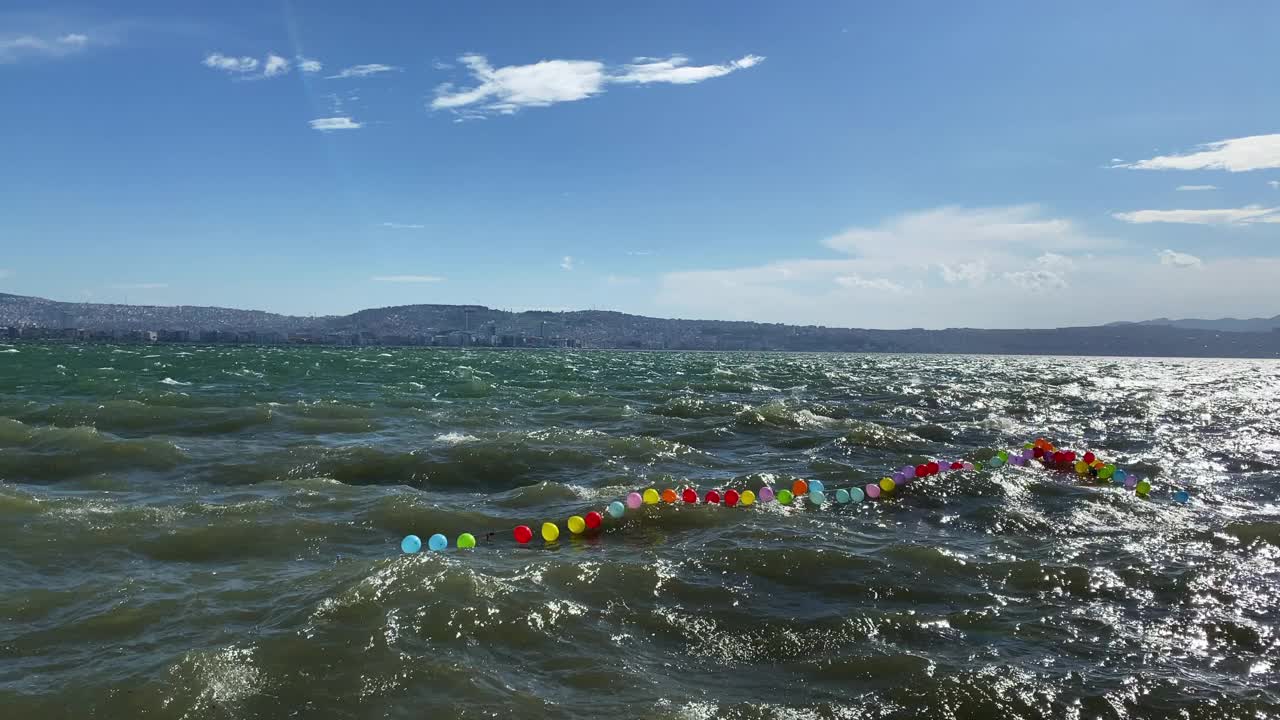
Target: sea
(215, 532)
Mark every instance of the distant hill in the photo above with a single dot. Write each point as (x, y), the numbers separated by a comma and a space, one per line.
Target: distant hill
(420, 324)
(1224, 324)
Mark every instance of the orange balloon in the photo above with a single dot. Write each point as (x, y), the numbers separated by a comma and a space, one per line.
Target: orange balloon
(800, 487)
(668, 495)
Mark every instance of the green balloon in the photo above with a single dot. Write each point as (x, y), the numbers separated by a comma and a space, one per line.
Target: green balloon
(1004, 456)
(977, 467)
(466, 540)
(785, 497)
(1143, 488)
(1107, 471)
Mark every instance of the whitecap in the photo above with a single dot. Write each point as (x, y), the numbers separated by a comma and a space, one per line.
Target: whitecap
(171, 381)
(455, 438)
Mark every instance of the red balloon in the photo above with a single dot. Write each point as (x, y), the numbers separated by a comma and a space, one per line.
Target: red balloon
(1089, 458)
(523, 534)
(934, 468)
(690, 495)
(730, 497)
(1071, 456)
(922, 470)
(957, 465)
(1038, 452)
(713, 497)
(593, 519)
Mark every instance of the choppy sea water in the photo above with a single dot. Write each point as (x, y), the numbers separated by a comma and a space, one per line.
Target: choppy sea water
(213, 532)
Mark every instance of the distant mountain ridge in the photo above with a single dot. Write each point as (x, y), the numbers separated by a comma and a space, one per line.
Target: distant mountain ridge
(1224, 324)
(477, 324)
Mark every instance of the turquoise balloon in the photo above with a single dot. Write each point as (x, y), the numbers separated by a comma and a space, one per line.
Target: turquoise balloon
(817, 497)
(995, 462)
(856, 495)
(1182, 496)
(1119, 476)
(437, 542)
(410, 544)
(616, 509)
(842, 496)
(816, 486)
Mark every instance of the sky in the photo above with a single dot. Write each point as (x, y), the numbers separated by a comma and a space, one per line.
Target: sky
(888, 165)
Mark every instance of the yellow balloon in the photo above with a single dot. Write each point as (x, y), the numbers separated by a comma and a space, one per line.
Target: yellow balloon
(550, 531)
(651, 497)
(576, 525)
(747, 497)
(888, 485)
(1082, 467)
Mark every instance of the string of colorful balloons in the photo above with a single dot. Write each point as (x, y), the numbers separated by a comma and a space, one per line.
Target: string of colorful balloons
(1086, 466)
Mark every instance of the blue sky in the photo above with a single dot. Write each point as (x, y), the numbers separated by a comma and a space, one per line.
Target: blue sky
(910, 164)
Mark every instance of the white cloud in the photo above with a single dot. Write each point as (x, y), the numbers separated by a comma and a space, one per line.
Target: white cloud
(5, 273)
(676, 69)
(14, 48)
(877, 284)
(1177, 259)
(1054, 261)
(505, 90)
(275, 65)
(408, 278)
(639, 253)
(140, 286)
(363, 71)
(402, 226)
(1036, 280)
(566, 263)
(1274, 184)
(241, 65)
(1221, 216)
(972, 273)
(309, 65)
(1192, 188)
(334, 123)
(1256, 152)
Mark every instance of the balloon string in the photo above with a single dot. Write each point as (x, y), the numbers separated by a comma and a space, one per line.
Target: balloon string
(1085, 466)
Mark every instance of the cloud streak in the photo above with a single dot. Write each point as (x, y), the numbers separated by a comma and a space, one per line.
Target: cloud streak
(1220, 216)
(1255, 152)
(14, 48)
(403, 226)
(508, 89)
(359, 71)
(1195, 188)
(1173, 258)
(334, 123)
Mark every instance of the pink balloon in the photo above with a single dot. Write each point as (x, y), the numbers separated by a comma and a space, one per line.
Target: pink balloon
(873, 490)
(765, 494)
(968, 466)
(634, 501)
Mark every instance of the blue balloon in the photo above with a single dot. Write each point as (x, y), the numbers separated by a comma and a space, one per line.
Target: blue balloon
(410, 544)
(1119, 476)
(856, 495)
(817, 497)
(842, 496)
(437, 542)
(816, 486)
(616, 509)
(1182, 496)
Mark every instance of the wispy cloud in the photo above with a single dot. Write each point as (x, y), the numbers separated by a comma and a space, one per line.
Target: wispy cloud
(408, 278)
(1275, 184)
(140, 286)
(334, 123)
(639, 253)
(1219, 216)
(14, 48)
(226, 63)
(1194, 188)
(1256, 152)
(5, 273)
(878, 284)
(506, 90)
(309, 65)
(566, 263)
(1178, 259)
(1036, 280)
(402, 226)
(275, 65)
(357, 71)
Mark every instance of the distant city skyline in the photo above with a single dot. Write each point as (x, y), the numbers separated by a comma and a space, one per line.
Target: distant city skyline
(921, 164)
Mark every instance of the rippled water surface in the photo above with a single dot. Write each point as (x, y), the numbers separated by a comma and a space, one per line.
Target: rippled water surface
(213, 533)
